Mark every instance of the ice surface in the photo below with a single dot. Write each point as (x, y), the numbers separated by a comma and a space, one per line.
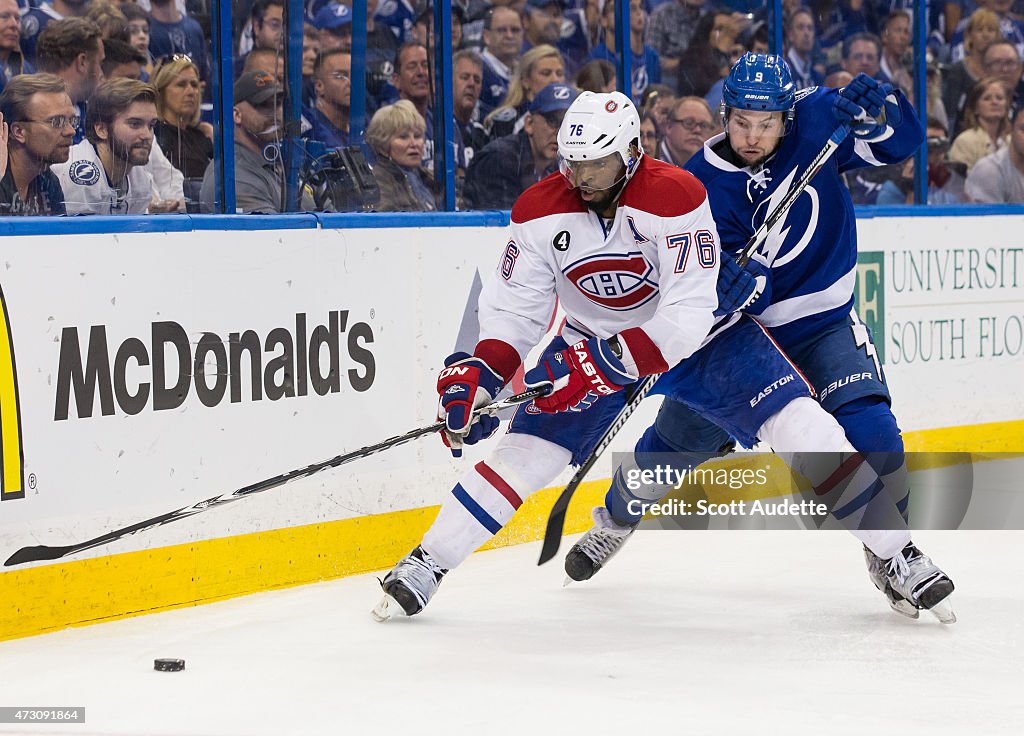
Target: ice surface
(729, 632)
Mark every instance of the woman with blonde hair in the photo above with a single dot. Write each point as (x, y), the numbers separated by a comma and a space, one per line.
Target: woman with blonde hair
(982, 29)
(178, 95)
(986, 123)
(397, 134)
(536, 69)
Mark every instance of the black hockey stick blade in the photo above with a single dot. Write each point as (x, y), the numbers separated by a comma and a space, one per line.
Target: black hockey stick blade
(42, 552)
(556, 519)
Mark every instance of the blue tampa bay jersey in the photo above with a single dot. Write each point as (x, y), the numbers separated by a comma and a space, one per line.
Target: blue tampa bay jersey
(813, 250)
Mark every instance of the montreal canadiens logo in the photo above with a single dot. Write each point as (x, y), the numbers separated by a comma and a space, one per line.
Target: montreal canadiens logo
(611, 106)
(617, 282)
(84, 173)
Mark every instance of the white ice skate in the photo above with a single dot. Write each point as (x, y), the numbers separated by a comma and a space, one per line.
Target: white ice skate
(596, 547)
(409, 586)
(912, 582)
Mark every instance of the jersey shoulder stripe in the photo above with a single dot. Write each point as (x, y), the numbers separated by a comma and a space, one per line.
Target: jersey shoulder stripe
(663, 190)
(550, 196)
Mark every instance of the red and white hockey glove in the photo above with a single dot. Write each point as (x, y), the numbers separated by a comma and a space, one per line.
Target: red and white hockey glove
(578, 376)
(466, 383)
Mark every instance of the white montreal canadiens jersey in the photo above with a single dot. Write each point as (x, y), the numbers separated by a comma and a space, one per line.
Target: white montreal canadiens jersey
(654, 267)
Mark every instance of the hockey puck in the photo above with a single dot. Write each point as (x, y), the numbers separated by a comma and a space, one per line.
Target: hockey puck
(169, 665)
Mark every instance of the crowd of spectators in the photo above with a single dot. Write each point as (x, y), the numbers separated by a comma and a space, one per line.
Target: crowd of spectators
(109, 107)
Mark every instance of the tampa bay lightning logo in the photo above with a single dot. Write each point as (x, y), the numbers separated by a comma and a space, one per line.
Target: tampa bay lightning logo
(619, 282)
(84, 173)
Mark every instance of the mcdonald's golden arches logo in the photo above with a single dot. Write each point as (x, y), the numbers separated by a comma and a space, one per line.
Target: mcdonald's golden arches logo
(12, 466)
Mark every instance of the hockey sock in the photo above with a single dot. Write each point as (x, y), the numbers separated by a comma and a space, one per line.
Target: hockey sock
(487, 496)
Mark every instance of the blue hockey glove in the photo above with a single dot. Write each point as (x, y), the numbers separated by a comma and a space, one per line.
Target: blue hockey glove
(746, 289)
(577, 377)
(867, 105)
(466, 383)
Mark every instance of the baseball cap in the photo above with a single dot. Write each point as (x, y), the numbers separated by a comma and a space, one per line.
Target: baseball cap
(256, 88)
(332, 16)
(553, 98)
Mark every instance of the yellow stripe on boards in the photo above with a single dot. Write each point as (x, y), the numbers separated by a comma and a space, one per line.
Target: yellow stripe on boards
(10, 431)
(51, 597)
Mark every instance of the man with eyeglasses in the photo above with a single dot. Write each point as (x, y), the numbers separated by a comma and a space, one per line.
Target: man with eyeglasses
(328, 118)
(506, 167)
(503, 39)
(105, 174)
(689, 125)
(267, 22)
(12, 62)
(1002, 60)
(862, 54)
(41, 122)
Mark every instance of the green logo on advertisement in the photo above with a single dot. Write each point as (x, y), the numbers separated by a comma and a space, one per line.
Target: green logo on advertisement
(869, 296)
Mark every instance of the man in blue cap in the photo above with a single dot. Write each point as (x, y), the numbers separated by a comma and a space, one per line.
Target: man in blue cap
(334, 21)
(505, 167)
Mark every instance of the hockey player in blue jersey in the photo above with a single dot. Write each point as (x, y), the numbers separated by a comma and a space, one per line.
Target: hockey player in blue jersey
(771, 135)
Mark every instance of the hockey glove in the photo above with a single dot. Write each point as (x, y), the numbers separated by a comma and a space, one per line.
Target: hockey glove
(747, 289)
(867, 105)
(578, 376)
(465, 384)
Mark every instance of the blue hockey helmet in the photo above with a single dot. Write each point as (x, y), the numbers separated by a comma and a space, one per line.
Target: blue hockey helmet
(759, 82)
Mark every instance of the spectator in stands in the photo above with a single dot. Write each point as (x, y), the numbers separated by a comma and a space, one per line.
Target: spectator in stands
(121, 60)
(174, 33)
(72, 49)
(691, 123)
(381, 53)
(507, 166)
(596, 76)
(396, 135)
(756, 41)
(545, 24)
(104, 174)
(838, 78)
(423, 28)
(267, 31)
(986, 123)
(332, 86)
(111, 21)
(12, 63)
(999, 177)
(265, 60)
(258, 117)
(40, 118)
(945, 178)
(658, 100)
(138, 34)
(412, 80)
(646, 65)
(178, 97)
(540, 66)
(671, 27)
(895, 60)
(310, 50)
(503, 40)
(706, 59)
(862, 53)
(933, 90)
(36, 19)
(334, 21)
(958, 79)
(649, 135)
(1010, 28)
(467, 77)
(1002, 60)
(800, 56)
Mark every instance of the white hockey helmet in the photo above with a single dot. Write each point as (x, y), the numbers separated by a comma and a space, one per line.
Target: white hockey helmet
(597, 126)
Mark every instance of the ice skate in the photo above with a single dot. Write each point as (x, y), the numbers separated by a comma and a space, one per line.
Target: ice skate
(876, 571)
(913, 579)
(409, 586)
(596, 547)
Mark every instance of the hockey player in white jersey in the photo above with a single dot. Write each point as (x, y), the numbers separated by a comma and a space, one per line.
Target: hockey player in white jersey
(771, 135)
(630, 248)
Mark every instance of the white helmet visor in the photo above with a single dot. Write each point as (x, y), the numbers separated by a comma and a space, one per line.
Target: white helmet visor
(594, 175)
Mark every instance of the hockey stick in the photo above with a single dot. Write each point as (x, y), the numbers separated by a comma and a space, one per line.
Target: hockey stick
(556, 521)
(44, 552)
(761, 234)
